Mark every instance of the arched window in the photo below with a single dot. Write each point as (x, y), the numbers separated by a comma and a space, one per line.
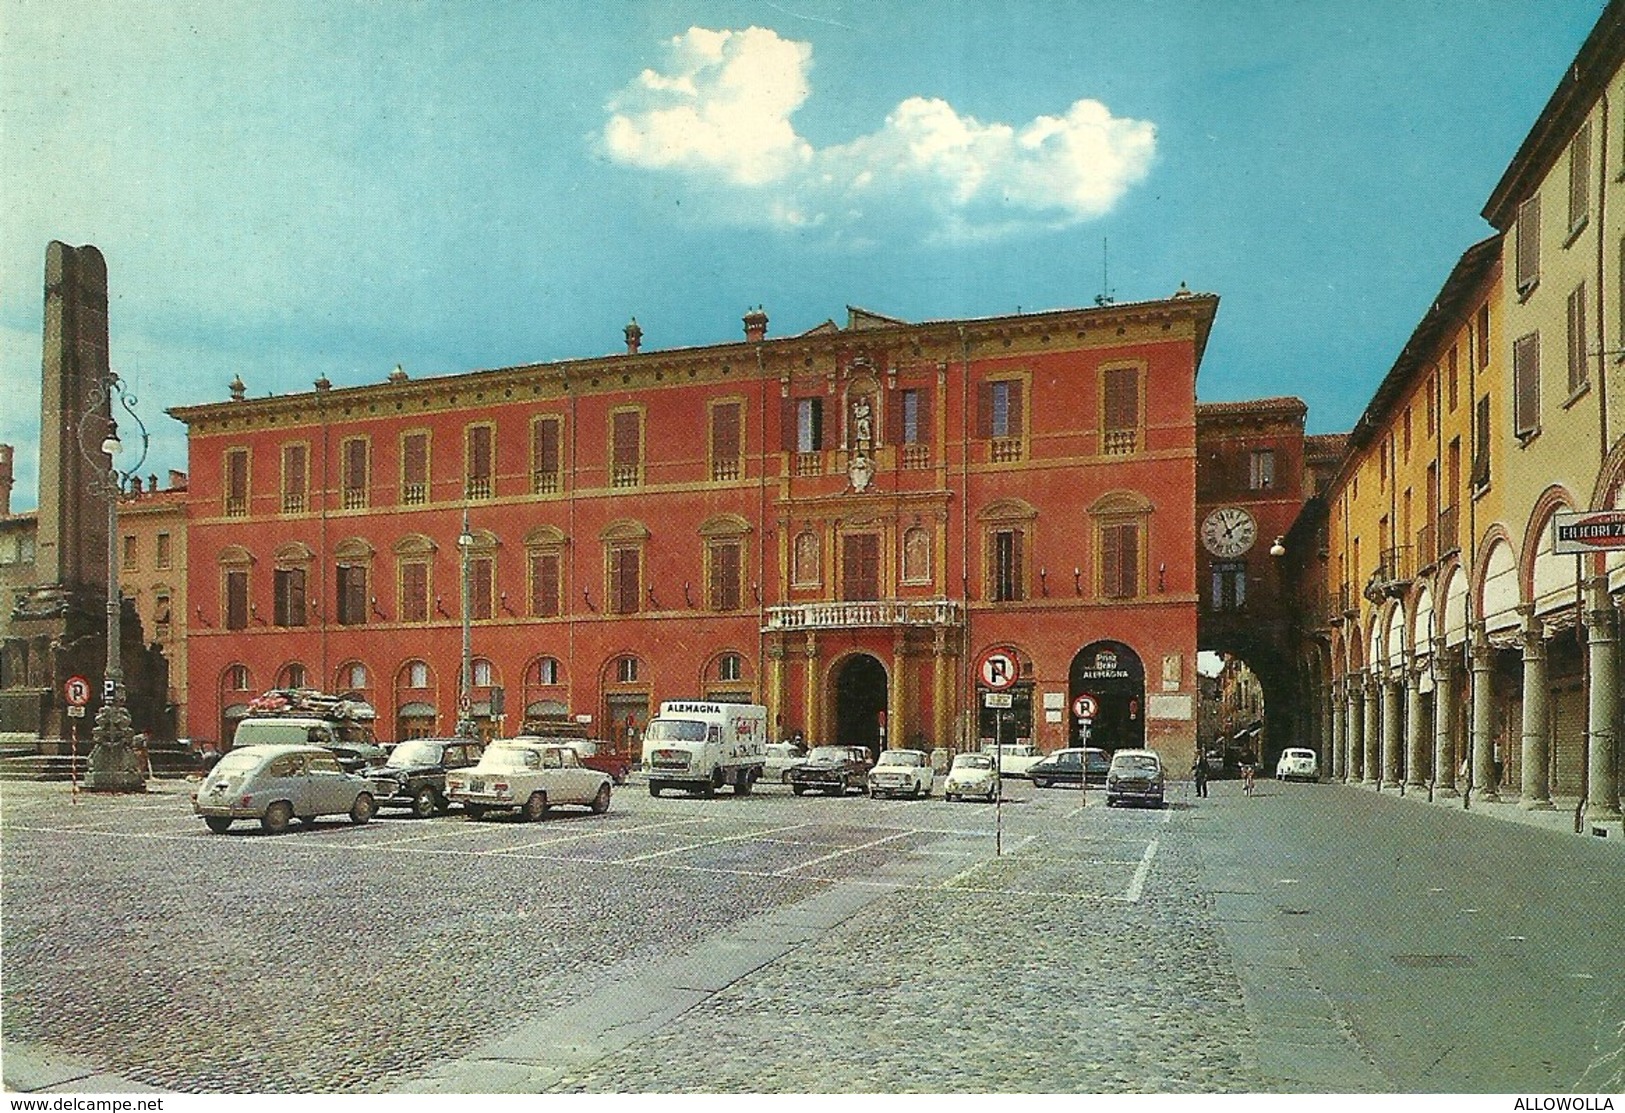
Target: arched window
(416, 674)
(544, 671)
(484, 673)
(237, 678)
(626, 670)
(730, 666)
(293, 675)
(351, 677)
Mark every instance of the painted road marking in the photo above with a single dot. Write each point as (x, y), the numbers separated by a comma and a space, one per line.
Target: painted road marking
(706, 845)
(1137, 885)
(787, 870)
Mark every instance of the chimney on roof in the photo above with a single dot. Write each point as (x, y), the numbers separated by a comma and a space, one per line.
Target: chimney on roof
(237, 388)
(323, 385)
(398, 375)
(177, 480)
(135, 484)
(755, 326)
(634, 337)
(152, 482)
(6, 478)
(1184, 291)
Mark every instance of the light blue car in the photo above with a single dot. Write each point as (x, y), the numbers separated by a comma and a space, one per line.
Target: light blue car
(276, 784)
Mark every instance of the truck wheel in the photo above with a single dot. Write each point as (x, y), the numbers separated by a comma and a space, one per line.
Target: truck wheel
(535, 807)
(655, 787)
(742, 783)
(424, 802)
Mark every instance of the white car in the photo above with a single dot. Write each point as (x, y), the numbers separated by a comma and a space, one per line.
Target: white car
(900, 772)
(528, 778)
(1015, 758)
(781, 758)
(1297, 763)
(972, 775)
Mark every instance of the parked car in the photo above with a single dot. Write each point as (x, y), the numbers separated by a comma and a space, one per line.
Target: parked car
(1015, 758)
(414, 774)
(276, 784)
(781, 758)
(832, 769)
(1299, 763)
(902, 771)
(529, 778)
(1070, 767)
(972, 775)
(594, 753)
(1134, 775)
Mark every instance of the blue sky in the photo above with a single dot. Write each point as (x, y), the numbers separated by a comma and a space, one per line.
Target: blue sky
(292, 190)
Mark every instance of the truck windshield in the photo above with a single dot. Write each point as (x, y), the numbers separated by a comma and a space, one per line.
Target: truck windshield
(675, 730)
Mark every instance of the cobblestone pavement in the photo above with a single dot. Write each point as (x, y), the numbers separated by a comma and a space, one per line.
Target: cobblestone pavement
(782, 944)
(352, 959)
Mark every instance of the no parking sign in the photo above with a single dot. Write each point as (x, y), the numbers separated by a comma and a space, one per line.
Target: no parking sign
(1085, 706)
(998, 669)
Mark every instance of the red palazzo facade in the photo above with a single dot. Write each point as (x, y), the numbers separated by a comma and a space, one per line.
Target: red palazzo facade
(838, 524)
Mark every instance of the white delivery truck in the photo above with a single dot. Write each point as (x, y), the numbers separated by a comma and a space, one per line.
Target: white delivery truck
(700, 746)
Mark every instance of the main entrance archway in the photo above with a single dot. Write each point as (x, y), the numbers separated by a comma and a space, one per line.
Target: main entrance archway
(860, 701)
(1111, 672)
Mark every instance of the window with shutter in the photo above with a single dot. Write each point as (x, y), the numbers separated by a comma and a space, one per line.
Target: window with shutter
(544, 585)
(1007, 566)
(545, 455)
(237, 483)
(289, 584)
(913, 427)
(1580, 178)
(1481, 443)
(860, 566)
(1578, 362)
(415, 468)
(352, 595)
(481, 464)
(626, 435)
(236, 600)
(1121, 410)
(1528, 247)
(1526, 385)
(1483, 332)
(415, 592)
(1120, 560)
(1261, 470)
(481, 587)
(624, 580)
(725, 576)
(354, 482)
(725, 441)
(1002, 420)
(294, 478)
(1452, 382)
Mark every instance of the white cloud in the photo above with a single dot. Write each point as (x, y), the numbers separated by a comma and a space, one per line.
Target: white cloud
(721, 109)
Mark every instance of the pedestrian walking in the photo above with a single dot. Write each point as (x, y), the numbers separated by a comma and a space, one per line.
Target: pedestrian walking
(1199, 774)
(1247, 780)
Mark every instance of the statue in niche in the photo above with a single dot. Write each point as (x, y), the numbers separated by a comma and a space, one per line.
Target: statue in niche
(863, 431)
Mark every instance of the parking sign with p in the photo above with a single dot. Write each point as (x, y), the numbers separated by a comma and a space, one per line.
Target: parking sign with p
(998, 669)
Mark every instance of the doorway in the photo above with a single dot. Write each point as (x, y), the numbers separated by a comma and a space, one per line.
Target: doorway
(860, 702)
(1111, 672)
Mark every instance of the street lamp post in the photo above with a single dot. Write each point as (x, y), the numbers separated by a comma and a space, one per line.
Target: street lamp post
(112, 766)
(465, 689)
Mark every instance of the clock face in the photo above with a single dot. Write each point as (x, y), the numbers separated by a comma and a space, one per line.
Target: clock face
(1229, 531)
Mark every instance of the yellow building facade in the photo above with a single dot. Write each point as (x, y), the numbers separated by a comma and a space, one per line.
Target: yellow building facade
(1468, 652)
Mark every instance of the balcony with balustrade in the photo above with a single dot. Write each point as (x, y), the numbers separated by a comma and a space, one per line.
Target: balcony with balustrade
(865, 614)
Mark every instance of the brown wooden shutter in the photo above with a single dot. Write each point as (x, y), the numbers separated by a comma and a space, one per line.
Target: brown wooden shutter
(1017, 556)
(236, 600)
(923, 417)
(725, 432)
(415, 459)
(479, 452)
(237, 476)
(544, 585)
(1111, 560)
(1577, 338)
(1016, 425)
(624, 450)
(1129, 559)
(547, 447)
(895, 403)
(725, 577)
(1122, 404)
(293, 470)
(296, 597)
(1526, 384)
(1580, 176)
(414, 592)
(860, 566)
(984, 410)
(355, 465)
(787, 424)
(481, 576)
